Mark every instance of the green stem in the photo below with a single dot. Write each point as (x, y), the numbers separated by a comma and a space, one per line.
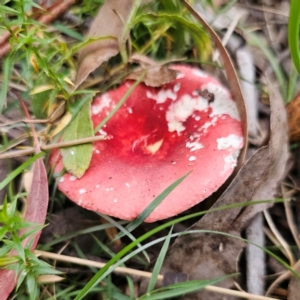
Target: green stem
(293, 33)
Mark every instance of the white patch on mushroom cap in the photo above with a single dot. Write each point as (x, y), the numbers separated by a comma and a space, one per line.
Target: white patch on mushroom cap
(72, 178)
(129, 110)
(194, 146)
(162, 96)
(179, 111)
(192, 158)
(82, 191)
(176, 87)
(127, 184)
(222, 103)
(231, 159)
(199, 73)
(180, 75)
(207, 124)
(102, 132)
(231, 141)
(62, 179)
(105, 101)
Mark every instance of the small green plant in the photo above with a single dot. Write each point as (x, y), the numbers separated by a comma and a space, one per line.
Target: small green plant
(14, 256)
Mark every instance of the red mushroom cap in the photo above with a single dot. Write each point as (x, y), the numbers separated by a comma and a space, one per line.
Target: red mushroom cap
(157, 136)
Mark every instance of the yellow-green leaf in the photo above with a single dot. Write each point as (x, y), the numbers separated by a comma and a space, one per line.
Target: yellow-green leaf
(76, 159)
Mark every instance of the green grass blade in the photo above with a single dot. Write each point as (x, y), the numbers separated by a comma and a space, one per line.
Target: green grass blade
(77, 233)
(121, 102)
(182, 288)
(159, 262)
(123, 231)
(7, 69)
(293, 33)
(117, 258)
(271, 57)
(68, 31)
(149, 209)
(292, 86)
(19, 170)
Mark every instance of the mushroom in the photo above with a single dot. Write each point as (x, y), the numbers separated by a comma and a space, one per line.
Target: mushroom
(156, 137)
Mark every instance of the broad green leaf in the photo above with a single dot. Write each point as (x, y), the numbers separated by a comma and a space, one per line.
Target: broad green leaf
(76, 159)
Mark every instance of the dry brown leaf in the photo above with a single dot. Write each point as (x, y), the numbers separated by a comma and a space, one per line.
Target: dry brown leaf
(156, 74)
(109, 22)
(278, 155)
(293, 111)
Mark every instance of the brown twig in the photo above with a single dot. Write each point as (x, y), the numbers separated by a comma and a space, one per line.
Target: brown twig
(41, 16)
(52, 146)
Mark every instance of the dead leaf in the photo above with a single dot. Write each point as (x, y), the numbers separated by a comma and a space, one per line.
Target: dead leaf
(35, 212)
(109, 23)
(44, 279)
(156, 75)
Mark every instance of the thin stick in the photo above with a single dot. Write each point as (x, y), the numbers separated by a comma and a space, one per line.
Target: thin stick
(90, 263)
(244, 295)
(129, 271)
(30, 150)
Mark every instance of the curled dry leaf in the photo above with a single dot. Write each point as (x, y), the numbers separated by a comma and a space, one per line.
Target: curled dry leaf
(36, 210)
(157, 74)
(109, 23)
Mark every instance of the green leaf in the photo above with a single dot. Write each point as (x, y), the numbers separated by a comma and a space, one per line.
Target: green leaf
(7, 69)
(76, 159)
(40, 100)
(182, 288)
(32, 287)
